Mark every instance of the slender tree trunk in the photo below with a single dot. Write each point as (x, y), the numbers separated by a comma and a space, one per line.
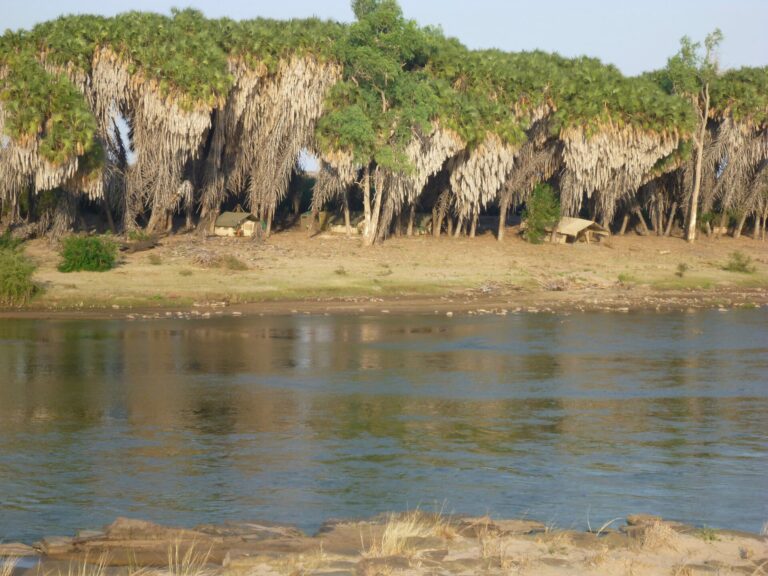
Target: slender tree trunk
(449, 226)
(459, 226)
(624, 223)
(642, 224)
(374, 212)
(473, 226)
(670, 219)
(503, 208)
(367, 206)
(690, 234)
(347, 219)
(758, 226)
(740, 225)
(411, 219)
(108, 214)
(269, 215)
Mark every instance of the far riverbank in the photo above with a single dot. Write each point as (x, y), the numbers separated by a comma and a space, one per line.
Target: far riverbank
(293, 273)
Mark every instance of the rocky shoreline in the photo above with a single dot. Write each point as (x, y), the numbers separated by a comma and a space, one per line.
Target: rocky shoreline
(412, 543)
(469, 302)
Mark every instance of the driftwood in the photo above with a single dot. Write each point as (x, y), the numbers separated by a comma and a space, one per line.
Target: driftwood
(139, 245)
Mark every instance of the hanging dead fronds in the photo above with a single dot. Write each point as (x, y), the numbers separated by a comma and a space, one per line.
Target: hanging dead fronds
(613, 163)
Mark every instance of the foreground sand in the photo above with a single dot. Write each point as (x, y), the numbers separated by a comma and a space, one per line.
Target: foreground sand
(412, 543)
(333, 273)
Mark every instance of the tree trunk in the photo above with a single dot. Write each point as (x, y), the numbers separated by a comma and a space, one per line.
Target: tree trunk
(459, 226)
(740, 225)
(437, 221)
(375, 211)
(473, 227)
(411, 219)
(758, 226)
(503, 208)
(108, 214)
(367, 206)
(624, 222)
(269, 215)
(347, 219)
(693, 208)
(670, 219)
(642, 224)
(450, 226)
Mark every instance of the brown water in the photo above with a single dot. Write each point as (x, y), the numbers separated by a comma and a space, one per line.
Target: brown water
(566, 419)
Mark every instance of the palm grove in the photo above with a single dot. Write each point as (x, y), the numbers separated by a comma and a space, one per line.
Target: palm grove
(401, 118)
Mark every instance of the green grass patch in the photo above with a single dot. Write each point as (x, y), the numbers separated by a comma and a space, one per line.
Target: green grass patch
(8, 242)
(687, 283)
(87, 253)
(627, 278)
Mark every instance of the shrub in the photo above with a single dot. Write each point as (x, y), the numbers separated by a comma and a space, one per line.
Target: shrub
(89, 253)
(233, 263)
(542, 211)
(682, 268)
(738, 262)
(16, 285)
(155, 259)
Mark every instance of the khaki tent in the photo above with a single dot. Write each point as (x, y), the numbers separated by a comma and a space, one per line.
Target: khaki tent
(578, 230)
(235, 224)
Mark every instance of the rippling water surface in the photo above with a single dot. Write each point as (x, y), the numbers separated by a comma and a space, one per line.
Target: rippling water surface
(298, 419)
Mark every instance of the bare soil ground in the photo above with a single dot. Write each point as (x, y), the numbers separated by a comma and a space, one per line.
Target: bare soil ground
(334, 273)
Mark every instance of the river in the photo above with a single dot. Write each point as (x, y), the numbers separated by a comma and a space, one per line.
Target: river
(568, 419)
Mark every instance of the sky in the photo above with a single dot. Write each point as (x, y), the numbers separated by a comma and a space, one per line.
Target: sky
(635, 35)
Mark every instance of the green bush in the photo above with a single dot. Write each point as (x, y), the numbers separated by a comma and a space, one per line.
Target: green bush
(542, 211)
(16, 285)
(738, 262)
(89, 253)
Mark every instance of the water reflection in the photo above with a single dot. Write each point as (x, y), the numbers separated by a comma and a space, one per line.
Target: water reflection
(300, 418)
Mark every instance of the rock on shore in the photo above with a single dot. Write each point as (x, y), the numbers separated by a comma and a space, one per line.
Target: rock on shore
(412, 543)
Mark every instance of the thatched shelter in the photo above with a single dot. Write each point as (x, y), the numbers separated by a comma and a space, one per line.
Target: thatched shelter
(572, 230)
(235, 224)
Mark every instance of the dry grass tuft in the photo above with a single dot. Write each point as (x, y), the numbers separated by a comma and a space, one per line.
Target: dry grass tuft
(187, 562)
(400, 528)
(83, 568)
(7, 565)
(658, 536)
(682, 570)
(309, 563)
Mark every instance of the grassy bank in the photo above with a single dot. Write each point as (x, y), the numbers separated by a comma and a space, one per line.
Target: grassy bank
(333, 271)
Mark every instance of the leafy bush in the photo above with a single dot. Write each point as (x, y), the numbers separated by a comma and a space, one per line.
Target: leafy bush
(738, 262)
(16, 285)
(542, 211)
(682, 268)
(89, 253)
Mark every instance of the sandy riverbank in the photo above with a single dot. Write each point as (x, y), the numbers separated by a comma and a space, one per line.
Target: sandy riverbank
(292, 273)
(412, 543)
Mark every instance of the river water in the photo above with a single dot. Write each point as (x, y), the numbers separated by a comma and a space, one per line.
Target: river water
(567, 419)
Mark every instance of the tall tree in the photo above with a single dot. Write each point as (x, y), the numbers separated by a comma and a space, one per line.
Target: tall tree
(691, 73)
(384, 96)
